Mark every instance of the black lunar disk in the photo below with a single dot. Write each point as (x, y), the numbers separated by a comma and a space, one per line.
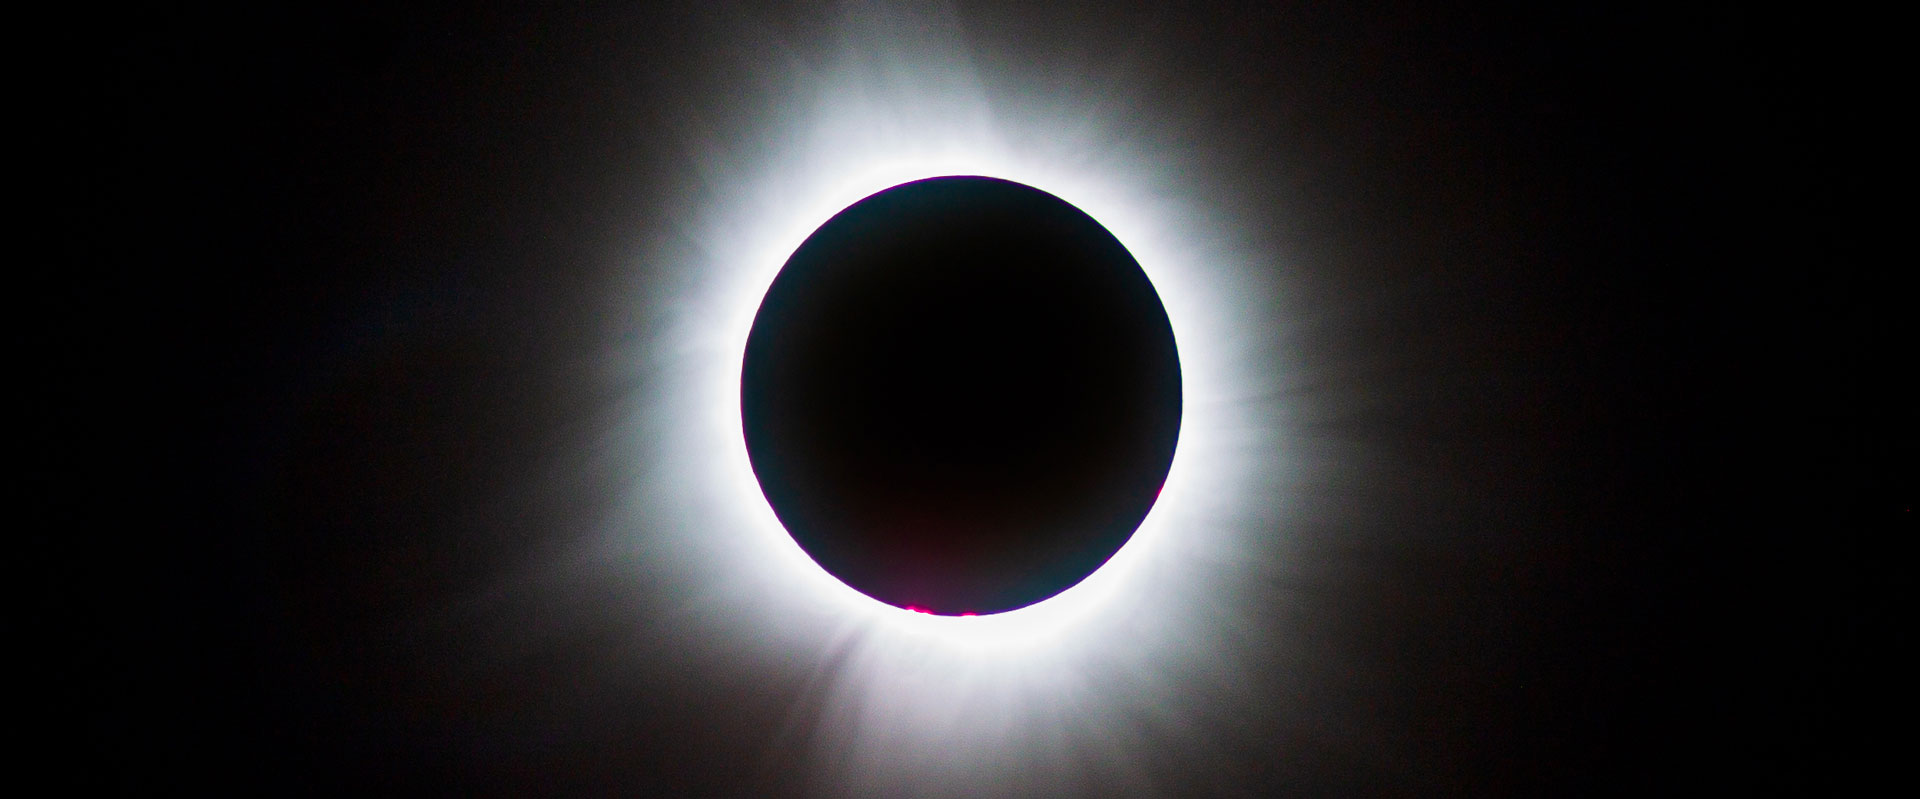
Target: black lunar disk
(961, 395)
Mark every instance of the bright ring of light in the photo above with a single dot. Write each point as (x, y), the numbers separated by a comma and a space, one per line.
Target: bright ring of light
(1047, 619)
(1141, 618)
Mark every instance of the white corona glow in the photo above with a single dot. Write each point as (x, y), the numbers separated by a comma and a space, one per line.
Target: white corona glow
(904, 698)
(860, 172)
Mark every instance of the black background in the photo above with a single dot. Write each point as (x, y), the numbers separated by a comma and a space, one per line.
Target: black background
(1596, 292)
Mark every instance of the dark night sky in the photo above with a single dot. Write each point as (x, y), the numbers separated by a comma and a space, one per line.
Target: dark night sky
(1587, 331)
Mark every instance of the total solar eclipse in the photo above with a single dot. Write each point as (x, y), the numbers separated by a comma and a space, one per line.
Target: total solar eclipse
(961, 395)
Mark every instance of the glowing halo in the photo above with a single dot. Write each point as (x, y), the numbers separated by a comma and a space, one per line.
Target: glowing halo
(1046, 620)
(902, 697)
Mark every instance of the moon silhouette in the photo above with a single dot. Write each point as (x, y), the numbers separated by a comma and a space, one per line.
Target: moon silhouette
(961, 395)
